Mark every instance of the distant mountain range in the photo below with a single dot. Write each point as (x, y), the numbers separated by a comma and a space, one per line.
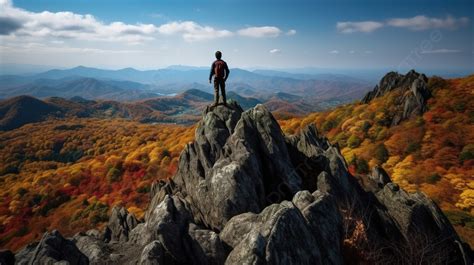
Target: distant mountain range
(130, 84)
(175, 94)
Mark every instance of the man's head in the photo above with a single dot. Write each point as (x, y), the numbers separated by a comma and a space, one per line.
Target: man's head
(218, 55)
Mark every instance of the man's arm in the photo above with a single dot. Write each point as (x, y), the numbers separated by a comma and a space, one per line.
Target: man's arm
(227, 72)
(212, 72)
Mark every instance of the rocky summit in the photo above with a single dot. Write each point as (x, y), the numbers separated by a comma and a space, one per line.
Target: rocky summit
(413, 96)
(245, 193)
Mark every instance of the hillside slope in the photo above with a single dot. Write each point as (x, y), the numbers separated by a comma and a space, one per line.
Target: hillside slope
(429, 147)
(24, 109)
(68, 174)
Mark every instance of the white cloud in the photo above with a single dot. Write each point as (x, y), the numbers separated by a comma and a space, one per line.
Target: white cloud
(334, 52)
(291, 32)
(423, 22)
(5, 3)
(275, 51)
(67, 25)
(419, 22)
(21, 26)
(440, 51)
(351, 52)
(260, 32)
(363, 26)
(191, 31)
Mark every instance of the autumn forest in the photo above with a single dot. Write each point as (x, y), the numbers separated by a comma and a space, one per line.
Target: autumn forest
(69, 173)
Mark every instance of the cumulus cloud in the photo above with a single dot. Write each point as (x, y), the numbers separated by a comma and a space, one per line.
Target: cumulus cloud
(19, 25)
(424, 22)
(363, 26)
(440, 51)
(67, 25)
(419, 22)
(273, 51)
(260, 32)
(291, 32)
(191, 31)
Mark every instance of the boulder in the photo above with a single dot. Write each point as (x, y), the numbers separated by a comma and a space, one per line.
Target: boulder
(168, 224)
(53, 248)
(379, 177)
(153, 254)
(324, 220)
(121, 222)
(415, 213)
(92, 246)
(206, 246)
(275, 236)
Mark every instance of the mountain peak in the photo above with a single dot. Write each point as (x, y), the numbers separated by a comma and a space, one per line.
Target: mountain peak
(194, 93)
(128, 69)
(81, 67)
(413, 97)
(392, 81)
(21, 110)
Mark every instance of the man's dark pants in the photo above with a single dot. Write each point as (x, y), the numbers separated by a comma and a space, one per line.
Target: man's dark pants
(218, 82)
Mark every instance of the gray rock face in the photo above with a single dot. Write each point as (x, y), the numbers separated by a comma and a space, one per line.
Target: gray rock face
(275, 236)
(245, 193)
(238, 163)
(152, 254)
(414, 213)
(391, 81)
(206, 246)
(322, 216)
(414, 99)
(167, 223)
(93, 246)
(120, 225)
(379, 177)
(52, 248)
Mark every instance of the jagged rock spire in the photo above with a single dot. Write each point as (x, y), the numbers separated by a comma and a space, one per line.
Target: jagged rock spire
(413, 100)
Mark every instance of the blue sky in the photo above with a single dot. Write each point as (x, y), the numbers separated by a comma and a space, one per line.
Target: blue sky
(271, 34)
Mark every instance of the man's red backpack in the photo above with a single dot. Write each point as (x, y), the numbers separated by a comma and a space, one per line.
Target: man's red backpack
(219, 69)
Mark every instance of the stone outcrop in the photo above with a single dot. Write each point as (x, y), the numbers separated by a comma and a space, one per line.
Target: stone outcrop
(245, 193)
(120, 224)
(413, 97)
(52, 248)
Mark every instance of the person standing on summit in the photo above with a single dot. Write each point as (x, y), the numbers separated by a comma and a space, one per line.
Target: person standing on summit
(220, 71)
